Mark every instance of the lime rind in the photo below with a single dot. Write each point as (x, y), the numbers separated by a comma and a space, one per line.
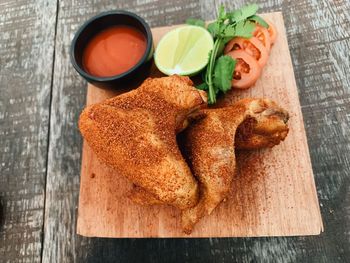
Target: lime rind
(184, 51)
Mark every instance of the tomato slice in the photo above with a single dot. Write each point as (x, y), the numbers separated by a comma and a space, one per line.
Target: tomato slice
(247, 69)
(252, 46)
(263, 35)
(272, 31)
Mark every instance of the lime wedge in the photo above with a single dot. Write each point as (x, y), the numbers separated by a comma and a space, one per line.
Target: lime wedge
(184, 50)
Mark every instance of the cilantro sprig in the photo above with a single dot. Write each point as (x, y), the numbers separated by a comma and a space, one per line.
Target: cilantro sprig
(239, 23)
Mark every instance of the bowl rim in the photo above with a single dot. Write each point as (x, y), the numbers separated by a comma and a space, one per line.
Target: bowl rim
(149, 40)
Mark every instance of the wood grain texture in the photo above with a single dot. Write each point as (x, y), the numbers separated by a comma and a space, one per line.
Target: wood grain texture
(322, 20)
(318, 35)
(26, 55)
(270, 195)
(318, 40)
(61, 244)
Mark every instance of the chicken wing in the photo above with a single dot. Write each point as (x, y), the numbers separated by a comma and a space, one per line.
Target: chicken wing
(209, 145)
(140, 196)
(135, 133)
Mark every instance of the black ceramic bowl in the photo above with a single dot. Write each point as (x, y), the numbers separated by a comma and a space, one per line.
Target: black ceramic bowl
(95, 25)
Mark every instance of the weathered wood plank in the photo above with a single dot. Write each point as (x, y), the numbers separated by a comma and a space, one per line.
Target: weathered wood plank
(26, 60)
(319, 40)
(270, 198)
(61, 244)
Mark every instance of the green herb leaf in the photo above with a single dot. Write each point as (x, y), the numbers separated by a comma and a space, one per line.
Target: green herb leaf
(203, 86)
(195, 22)
(214, 29)
(212, 92)
(245, 29)
(243, 13)
(223, 72)
(229, 31)
(225, 40)
(217, 76)
(249, 10)
(234, 16)
(222, 13)
(221, 48)
(259, 20)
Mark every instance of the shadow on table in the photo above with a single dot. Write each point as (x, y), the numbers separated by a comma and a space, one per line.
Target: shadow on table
(146, 250)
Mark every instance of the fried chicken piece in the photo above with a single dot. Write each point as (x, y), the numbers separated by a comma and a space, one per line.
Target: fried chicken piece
(266, 133)
(209, 145)
(140, 196)
(250, 135)
(135, 133)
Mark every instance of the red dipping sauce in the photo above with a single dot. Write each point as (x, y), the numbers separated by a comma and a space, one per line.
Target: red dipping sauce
(113, 51)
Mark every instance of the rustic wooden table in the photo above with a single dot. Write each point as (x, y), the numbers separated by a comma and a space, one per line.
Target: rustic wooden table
(41, 97)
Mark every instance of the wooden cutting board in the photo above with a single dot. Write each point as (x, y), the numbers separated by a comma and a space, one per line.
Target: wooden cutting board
(273, 193)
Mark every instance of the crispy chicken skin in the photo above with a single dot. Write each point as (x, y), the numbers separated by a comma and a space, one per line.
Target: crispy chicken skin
(209, 145)
(140, 196)
(135, 133)
(266, 132)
